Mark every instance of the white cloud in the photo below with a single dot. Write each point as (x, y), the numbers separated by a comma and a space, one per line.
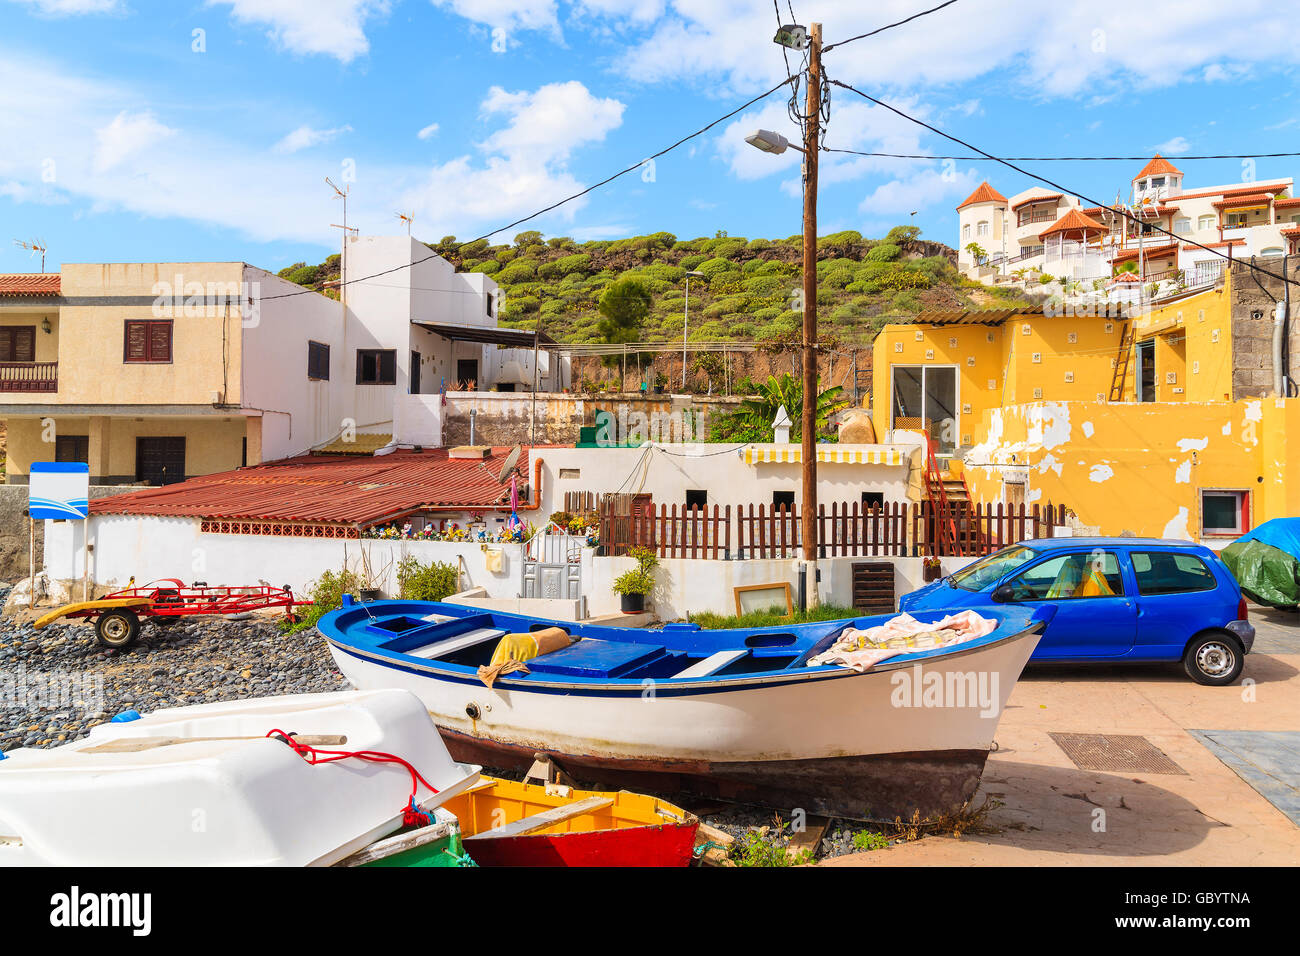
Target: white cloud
(1172, 147)
(916, 190)
(524, 163)
(333, 27)
(509, 15)
(304, 137)
(428, 131)
(126, 136)
(1052, 50)
(71, 8)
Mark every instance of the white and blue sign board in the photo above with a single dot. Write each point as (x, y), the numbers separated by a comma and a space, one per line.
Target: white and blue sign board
(59, 489)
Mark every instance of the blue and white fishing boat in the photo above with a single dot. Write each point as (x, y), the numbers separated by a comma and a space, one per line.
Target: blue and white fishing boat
(736, 714)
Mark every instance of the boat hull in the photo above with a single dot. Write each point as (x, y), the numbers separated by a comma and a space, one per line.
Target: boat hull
(670, 844)
(824, 740)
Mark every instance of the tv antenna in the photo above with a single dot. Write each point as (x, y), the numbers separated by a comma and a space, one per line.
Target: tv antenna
(35, 246)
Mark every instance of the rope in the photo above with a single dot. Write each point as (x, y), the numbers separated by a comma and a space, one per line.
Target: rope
(412, 816)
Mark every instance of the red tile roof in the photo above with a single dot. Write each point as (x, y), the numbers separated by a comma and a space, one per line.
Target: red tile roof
(1248, 199)
(983, 193)
(29, 283)
(1033, 199)
(1158, 166)
(1073, 221)
(1270, 188)
(1217, 245)
(1286, 201)
(327, 488)
(1150, 252)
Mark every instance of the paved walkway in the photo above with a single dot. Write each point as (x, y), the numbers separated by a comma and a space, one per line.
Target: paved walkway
(1056, 814)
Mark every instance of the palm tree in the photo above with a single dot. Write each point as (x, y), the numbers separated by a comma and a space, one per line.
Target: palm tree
(758, 411)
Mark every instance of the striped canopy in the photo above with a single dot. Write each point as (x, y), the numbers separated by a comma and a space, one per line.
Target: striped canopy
(834, 454)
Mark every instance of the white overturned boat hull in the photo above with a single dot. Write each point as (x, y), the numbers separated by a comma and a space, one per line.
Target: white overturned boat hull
(206, 802)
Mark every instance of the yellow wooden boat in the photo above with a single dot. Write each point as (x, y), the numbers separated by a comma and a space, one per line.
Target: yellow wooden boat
(506, 823)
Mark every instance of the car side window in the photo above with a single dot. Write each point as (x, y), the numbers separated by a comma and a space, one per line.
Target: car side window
(1083, 574)
(1164, 572)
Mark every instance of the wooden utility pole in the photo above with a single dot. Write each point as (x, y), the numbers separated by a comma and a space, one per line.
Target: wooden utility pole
(808, 427)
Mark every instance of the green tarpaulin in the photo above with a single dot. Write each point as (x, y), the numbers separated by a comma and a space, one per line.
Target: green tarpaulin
(1266, 574)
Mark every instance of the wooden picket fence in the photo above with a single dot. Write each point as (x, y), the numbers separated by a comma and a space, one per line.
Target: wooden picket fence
(844, 529)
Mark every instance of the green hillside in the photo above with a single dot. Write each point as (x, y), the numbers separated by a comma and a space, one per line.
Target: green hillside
(747, 293)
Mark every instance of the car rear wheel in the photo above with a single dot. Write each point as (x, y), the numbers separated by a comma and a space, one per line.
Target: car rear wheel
(1214, 659)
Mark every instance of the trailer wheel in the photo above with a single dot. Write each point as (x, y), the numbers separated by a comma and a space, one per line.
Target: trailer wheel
(117, 628)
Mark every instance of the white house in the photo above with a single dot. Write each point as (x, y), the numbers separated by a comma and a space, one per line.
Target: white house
(1045, 232)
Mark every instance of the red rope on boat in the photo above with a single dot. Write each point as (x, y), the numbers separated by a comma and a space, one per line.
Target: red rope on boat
(411, 814)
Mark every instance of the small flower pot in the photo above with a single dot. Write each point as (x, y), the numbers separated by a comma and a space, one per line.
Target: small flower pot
(931, 572)
(632, 603)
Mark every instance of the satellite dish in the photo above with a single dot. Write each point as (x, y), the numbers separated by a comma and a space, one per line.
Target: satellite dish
(512, 460)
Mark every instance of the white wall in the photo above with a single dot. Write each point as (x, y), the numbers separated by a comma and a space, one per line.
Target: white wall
(154, 547)
(296, 413)
(687, 585)
(671, 470)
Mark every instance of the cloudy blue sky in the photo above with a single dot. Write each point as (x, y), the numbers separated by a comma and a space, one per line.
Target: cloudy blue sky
(137, 130)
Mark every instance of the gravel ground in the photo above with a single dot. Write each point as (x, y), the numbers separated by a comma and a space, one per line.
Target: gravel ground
(57, 683)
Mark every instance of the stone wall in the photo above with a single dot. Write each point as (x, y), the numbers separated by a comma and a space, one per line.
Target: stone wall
(1254, 299)
(13, 527)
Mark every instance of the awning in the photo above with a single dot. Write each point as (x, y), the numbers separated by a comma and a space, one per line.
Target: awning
(512, 338)
(832, 454)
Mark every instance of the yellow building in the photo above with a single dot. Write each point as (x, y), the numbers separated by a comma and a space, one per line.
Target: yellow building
(1170, 424)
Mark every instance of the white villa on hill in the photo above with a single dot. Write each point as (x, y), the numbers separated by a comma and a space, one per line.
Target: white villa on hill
(1039, 232)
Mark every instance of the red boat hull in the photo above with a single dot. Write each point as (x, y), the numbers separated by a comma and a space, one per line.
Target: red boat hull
(670, 844)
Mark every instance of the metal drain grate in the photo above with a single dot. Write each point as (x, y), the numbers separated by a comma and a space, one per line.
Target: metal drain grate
(1118, 753)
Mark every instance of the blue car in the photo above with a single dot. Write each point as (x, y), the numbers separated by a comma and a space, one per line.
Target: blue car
(1117, 599)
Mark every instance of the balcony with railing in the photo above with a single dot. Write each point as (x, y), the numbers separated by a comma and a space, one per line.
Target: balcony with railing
(29, 376)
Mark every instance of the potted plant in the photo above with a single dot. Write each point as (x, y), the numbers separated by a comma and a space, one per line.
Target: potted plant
(931, 570)
(633, 585)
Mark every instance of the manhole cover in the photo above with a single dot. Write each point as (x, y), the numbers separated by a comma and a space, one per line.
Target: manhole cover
(1119, 753)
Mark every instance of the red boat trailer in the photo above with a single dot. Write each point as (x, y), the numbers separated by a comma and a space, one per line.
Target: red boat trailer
(117, 615)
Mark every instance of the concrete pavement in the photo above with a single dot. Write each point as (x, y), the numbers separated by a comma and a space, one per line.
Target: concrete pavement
(1055, 814)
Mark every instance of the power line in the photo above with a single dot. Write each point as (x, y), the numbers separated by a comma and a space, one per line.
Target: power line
(1064, 189)
(889, 26)
(1056, 159)
(556, 205)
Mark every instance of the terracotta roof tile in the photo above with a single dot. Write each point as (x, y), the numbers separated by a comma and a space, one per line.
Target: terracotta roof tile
(1033, 199)
(1158, 166)
(1073, 221)
(1147, 252)
(29, 283)
(1245, 200)
(983, 193)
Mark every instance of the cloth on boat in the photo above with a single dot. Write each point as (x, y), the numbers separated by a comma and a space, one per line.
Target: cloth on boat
(513, 649)
(861, 649)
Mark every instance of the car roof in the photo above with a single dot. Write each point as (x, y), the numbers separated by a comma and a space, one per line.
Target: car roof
(1047, 544)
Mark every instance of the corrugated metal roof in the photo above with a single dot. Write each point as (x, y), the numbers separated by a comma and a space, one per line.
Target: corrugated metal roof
(30, 283)
(973, 316)
(343, 489)
(497, 335)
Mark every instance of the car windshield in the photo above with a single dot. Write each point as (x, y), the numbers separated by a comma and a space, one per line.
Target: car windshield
(977, 576)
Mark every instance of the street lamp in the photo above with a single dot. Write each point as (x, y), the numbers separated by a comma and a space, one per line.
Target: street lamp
(770, 142)
(686, 318)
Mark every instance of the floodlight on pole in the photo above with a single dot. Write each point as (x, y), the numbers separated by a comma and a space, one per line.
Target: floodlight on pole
(770, 142)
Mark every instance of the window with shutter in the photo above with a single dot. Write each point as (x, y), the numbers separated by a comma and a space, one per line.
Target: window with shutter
(147, 341)
(18, 343)
(318, 361)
